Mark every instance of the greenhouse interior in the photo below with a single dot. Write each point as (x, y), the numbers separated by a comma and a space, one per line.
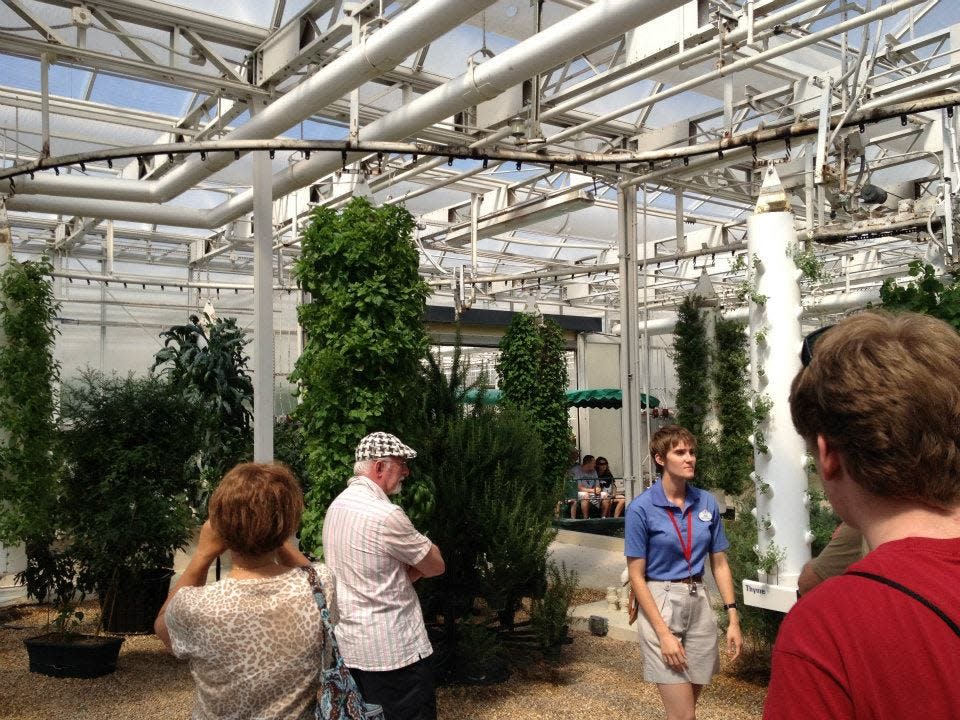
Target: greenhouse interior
(593, 162)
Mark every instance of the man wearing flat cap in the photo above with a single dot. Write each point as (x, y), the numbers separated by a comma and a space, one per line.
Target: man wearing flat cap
(376, 555)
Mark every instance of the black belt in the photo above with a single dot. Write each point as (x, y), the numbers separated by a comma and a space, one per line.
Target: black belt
(685, 580)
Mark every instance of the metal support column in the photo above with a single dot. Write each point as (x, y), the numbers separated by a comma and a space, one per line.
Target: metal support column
(262, 309)
(629, 347)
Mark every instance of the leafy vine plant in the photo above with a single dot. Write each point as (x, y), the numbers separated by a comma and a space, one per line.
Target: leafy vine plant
(360, 370)
(532, 373)
(762, 405)
(29, 374)
(812, 269)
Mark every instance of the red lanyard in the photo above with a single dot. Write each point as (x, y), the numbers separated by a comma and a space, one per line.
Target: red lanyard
(687, 547)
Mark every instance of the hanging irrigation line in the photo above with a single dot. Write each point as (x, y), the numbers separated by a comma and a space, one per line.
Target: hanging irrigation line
(580, 160)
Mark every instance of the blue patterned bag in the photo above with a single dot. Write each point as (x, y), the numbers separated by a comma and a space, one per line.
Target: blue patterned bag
(338, 697)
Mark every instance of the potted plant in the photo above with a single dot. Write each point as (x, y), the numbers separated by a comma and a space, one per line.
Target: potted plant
(768, 563)
(129, 446)
(64, 651)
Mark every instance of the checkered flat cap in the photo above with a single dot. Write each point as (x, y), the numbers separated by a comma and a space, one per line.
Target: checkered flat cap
(381, 444)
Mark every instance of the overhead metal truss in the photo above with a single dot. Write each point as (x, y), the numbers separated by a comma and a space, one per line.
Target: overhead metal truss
(683, 104)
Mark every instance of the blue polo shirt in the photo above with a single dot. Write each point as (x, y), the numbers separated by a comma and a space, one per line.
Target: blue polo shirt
(650, 533)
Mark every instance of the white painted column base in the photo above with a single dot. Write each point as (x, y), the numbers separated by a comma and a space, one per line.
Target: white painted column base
(771, 597)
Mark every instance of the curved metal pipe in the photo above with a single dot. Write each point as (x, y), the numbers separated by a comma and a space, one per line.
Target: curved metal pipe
(412, 30)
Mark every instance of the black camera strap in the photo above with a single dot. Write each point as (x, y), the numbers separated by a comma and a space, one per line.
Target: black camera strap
(907, 591)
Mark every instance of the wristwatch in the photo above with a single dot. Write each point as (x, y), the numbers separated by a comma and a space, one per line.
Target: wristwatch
(730, 606)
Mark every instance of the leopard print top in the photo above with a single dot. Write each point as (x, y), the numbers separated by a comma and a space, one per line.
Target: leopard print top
(255, 647)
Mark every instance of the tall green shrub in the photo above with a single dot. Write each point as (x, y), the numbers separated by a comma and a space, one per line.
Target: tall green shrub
(532, 371)
(365, 340)
(492, 523)
(734, 453)
(130, 446)
(28, 376)
(691, 357)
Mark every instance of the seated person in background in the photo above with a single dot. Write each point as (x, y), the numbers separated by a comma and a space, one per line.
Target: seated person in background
(846, 546)
(588, 485)
(255, 640)
(570, 496)
(608, 486)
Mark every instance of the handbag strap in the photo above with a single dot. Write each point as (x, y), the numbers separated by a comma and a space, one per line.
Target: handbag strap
(321, 601)
(907, 591)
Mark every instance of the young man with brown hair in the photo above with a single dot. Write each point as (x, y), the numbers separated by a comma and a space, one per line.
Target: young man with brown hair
(878, 403)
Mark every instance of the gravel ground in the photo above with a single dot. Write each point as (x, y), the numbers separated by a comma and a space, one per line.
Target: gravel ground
(598, 678)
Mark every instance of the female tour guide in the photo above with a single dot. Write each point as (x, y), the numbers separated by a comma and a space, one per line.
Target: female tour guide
(670, 530)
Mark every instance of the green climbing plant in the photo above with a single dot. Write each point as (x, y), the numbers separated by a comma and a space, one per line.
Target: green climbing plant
(532, 371)
(734, 453)
(29, 374)
(691, 357)
(360, 367)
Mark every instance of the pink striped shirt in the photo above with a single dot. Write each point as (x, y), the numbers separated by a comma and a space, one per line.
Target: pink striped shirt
(368, 543)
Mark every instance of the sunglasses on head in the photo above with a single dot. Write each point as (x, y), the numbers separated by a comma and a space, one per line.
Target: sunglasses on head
(806, 350)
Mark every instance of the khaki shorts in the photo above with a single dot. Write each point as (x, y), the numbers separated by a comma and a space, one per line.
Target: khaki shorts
(692, 619)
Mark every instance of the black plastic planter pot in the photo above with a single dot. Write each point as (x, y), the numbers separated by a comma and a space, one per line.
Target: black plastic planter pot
(133, 605)
(76, 656)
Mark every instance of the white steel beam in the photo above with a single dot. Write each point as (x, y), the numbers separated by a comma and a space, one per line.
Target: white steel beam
(122, 34)
(33, 21)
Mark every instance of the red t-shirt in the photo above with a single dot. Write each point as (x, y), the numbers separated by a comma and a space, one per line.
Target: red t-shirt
(855, 648)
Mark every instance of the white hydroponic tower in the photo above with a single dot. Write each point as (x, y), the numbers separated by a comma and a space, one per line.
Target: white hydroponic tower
(779, 453)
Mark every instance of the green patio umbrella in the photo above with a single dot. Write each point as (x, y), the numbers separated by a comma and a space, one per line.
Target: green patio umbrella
(594, 398)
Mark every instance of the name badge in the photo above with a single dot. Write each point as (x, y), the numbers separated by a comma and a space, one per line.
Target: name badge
(705, 515)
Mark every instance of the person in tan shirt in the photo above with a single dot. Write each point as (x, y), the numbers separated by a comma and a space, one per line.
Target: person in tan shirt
(846, 546)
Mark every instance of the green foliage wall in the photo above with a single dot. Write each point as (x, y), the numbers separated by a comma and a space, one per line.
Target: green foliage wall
(28, 375)
(734, 453)
(716, 373)
(365, 340)
(532, 371)
(926, 294)
(692, 361)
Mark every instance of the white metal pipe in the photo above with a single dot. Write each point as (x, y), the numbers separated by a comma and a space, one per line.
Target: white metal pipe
(115, 209)
(576, 34)
(45, 104)
(914, 91)
(737, 65)
(702, 50)
(416, 27)
(608, 86)
(811, 307)
(475, 199)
